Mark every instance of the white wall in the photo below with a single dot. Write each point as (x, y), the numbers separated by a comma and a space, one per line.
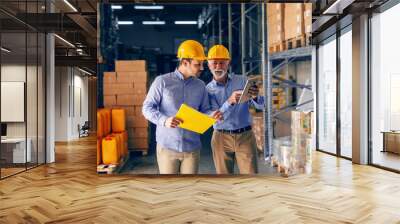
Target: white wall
(33, 127)
(70, 83)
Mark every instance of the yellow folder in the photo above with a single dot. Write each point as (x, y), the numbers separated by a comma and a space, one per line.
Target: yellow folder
(193, 120)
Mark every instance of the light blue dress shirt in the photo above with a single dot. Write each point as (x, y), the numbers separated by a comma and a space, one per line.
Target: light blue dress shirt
(166, 94)
(235, 116)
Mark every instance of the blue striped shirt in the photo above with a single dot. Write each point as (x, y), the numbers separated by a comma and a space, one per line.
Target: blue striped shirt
(235, 116)
(166, 94)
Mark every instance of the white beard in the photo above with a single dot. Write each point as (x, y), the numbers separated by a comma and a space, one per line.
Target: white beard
(219, 73)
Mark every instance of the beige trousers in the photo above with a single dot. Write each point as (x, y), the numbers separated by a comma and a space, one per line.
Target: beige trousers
(228, 147)
(172, 162)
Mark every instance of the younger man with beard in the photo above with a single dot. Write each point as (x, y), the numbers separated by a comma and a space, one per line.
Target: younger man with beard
(178, 150)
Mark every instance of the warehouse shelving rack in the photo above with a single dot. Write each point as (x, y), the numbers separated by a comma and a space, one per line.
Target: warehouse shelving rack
(247, 40)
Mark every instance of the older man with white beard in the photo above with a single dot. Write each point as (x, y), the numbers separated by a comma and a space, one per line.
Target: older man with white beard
(232, 138)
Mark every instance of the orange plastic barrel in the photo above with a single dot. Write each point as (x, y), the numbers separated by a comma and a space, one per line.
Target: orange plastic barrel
(119, 138)
(123, 140)
(99, 150)
(107, 121)
(118, 120)
(110, 153)
(100, 124)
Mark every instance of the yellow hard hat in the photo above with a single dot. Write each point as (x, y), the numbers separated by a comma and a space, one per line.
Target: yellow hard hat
(191, 49)
(218, 52)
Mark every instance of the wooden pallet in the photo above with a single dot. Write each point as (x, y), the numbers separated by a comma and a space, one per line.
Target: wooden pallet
(297, 42)
(277, 47)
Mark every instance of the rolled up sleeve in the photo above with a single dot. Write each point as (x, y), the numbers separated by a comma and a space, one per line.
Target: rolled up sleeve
(258, 102)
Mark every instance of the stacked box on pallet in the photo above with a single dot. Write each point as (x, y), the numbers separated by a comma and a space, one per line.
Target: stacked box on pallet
(308, 18)
(294, 20)
(276, 24)
(293, 155)
(289, 25)
(278, 94)
(258, 130)
(134, 74)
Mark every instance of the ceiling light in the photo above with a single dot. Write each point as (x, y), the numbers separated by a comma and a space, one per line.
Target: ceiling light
(149, 7)
(125, 22)
(65, 41)
(116, 6)
(70, 5)
(5, 50)
(79, 50)
(337, 7)
(84, 71)
(186, 22)
(153, 22)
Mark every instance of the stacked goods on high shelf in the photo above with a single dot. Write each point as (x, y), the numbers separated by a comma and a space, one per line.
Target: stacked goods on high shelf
(126, 88)
(112, 139)
(278, 94)
(276, 24)
(258, 130)
(293, 155)
(289, 25)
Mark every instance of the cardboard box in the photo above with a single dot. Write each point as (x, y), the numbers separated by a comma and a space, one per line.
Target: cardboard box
(302, 122)
(140, 88)
(274, 9)
(294, 20)
(129, 110)
(130, 99)
(138, 111)
(110, 101)
(125, 99)
(138, 143)
(138, 132)
(118, 88)
(110, 91)
(119, 85)
(136, 122)
(130, 66)
(139, 100)
(308, 18)
(275, 23)
(109, 77)
(132, 76)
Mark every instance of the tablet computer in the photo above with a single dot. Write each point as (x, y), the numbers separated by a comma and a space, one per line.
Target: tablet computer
(249, 83)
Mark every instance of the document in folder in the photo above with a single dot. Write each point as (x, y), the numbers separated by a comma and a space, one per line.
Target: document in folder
(193, 120)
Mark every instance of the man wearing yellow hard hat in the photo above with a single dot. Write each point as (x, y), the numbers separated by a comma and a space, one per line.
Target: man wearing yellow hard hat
(233, 138)
(178, 150)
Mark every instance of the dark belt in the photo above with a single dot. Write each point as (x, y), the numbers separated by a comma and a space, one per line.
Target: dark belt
(237, 131)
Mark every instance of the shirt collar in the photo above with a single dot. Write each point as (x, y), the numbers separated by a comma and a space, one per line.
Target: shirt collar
(220, 84)
(180, 75)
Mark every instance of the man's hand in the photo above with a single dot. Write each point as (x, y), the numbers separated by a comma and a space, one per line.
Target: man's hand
(217, 115)
(234, 98)
(253, 92)
(172, 122)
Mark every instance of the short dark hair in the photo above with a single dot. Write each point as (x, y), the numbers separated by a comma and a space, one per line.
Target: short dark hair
(184, 59)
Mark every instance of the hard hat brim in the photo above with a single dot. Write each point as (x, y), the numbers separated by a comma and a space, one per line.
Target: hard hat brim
(218, 59)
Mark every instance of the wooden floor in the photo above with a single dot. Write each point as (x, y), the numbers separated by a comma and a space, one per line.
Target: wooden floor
(70, 191)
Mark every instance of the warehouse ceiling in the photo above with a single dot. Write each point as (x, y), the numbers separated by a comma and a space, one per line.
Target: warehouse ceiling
(333, 14)
(74, 22)
(169, 13)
